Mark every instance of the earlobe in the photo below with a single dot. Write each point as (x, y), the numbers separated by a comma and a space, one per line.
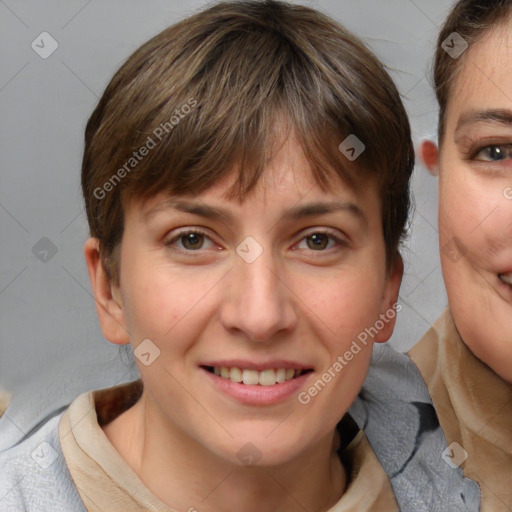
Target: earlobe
(108, 302)
(429, 156)
(390, 306)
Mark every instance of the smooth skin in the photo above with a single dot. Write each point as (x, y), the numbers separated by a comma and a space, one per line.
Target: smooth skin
(304, 299)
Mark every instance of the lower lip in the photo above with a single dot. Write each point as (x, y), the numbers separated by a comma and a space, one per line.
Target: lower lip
(258, 395)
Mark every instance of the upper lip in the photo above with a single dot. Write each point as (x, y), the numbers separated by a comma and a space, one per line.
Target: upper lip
(258, 366)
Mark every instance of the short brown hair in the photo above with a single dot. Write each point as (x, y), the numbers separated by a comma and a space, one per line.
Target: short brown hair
(211, 87)
(470, 19)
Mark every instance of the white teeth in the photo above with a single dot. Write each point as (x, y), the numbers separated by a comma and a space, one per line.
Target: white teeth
(235, 374)
(506, 278)
(267, 377)
(253, 377)
(250, 377)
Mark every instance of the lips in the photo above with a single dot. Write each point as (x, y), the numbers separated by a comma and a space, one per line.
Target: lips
(257, 384)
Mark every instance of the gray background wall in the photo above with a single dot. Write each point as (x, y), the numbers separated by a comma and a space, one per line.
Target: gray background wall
(47, 313)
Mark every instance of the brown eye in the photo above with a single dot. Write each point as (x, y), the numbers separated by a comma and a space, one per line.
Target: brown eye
(191, 240)
(321, 241)
(318, 241)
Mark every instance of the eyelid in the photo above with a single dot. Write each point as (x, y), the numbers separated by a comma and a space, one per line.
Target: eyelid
(507, 150)
(471, 146)
(311, 231)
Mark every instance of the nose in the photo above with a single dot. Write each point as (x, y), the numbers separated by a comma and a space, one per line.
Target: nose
(258, 303)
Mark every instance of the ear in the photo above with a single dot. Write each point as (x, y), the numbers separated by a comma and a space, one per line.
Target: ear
(390, 306)
(429, 156)
(109, 305)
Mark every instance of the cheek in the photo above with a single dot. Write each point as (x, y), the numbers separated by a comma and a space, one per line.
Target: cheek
(158, 300)
(346, 304)
(472, 224)
(456, 213)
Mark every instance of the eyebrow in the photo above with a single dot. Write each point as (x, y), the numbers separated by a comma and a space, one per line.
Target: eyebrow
(294, 213)
(494, 116)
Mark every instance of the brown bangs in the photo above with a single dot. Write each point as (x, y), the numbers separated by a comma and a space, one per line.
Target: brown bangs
(211, 93)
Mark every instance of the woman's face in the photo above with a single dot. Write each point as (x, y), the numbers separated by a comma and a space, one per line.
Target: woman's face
(475, 200)
(282, 283)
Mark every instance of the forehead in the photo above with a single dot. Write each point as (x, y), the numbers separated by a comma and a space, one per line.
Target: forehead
(484, 79)
(287, 179)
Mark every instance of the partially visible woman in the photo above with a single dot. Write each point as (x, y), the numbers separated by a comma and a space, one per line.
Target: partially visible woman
(466, 357)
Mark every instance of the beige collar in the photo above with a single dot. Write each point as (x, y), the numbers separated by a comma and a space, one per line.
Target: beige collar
(106, 482)
(474, 406)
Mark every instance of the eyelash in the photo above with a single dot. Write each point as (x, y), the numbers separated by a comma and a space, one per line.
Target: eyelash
(200, 231)
(505, 147)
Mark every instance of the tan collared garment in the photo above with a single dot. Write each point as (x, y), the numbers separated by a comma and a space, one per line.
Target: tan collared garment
(106, 483)
(5, 399)
(474, 406)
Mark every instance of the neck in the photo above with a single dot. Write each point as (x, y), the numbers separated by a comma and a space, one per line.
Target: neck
(185, 475)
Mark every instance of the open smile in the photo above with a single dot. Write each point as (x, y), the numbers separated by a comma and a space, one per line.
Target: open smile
(253, 385)
(250, 377)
